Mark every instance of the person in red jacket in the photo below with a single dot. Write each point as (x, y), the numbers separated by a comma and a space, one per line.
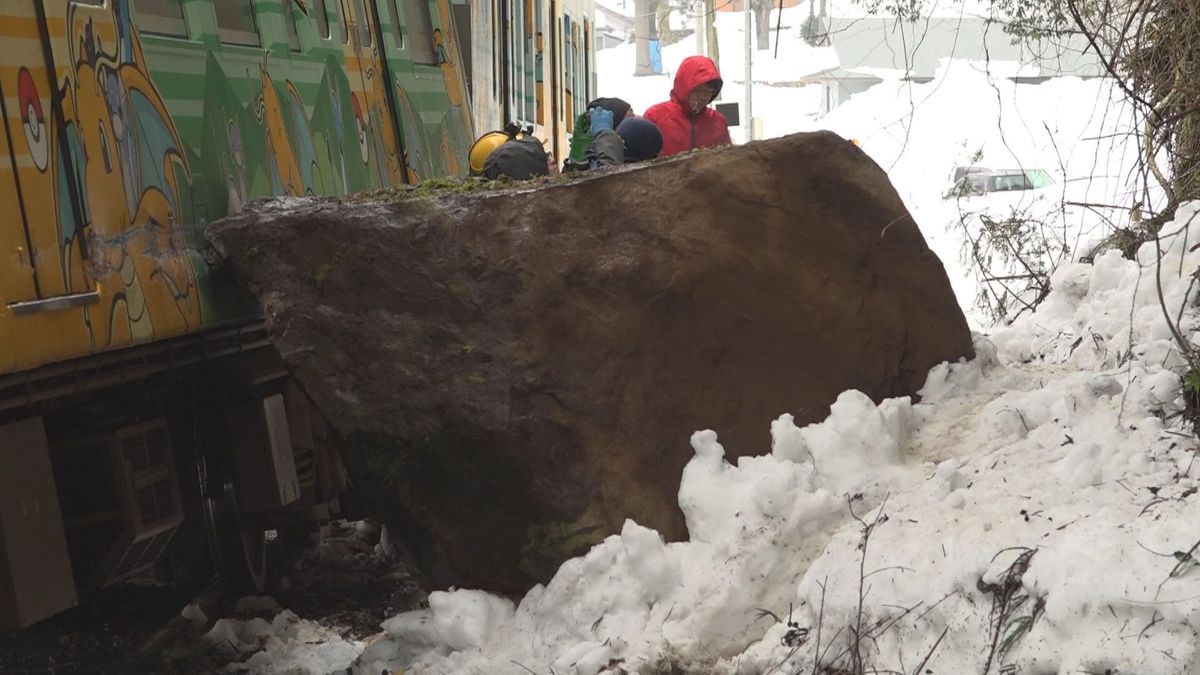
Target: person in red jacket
(686, 121)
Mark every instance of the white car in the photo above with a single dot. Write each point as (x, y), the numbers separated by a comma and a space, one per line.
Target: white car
(977, 180)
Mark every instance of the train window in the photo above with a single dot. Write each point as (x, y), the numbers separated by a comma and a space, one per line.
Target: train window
(522, 75)
(364, 25)
(322, 19)
(289, 22)
(568, 59)
(587, 60)
(341, 14)
(394, 19)
(419, 27)
(235, 22)
(160, 17)
(568, 72)
(539, 65)
(577, 66)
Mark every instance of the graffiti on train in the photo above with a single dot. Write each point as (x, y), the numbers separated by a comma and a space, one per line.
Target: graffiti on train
(118, 165)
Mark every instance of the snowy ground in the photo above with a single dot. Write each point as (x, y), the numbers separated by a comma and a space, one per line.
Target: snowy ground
(1031, 514)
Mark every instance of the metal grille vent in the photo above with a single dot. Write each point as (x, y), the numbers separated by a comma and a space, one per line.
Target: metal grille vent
(85, 476)
(146, 451)
(120, 501)
(306, 466)
(140, 556)
(147, 454)
(154, 503)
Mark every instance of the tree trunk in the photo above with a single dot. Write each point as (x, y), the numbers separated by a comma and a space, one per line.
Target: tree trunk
(710, 29)
(762, 23)
(643, 27)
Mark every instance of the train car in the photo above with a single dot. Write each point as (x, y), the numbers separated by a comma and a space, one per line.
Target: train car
(146, 422)
(532, 63)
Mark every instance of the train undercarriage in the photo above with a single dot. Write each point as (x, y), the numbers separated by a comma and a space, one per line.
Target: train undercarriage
(172, 459)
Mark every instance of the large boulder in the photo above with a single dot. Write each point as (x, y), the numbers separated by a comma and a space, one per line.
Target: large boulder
(514, 372)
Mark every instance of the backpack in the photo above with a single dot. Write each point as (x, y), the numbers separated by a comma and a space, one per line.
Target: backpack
(519, 159)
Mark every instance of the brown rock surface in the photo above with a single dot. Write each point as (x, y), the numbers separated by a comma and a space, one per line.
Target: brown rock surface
(516, 372)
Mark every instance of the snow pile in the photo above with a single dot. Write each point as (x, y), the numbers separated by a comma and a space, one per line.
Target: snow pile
(754, 528)
(1061, 527)
(286, 644)
(1033, 500)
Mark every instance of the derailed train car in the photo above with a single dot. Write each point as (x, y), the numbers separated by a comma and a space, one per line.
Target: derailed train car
(146, 422)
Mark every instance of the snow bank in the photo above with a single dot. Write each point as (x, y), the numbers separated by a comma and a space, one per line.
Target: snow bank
(753, 526)
(286, 645)
(1077, 466)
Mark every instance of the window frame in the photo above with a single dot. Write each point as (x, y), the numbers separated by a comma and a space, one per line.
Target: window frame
(157, 25)
(343, 25)
(230, 36)
(291, 27)
(363, 25)
(395, 28)
(424, 19)
(321, 9)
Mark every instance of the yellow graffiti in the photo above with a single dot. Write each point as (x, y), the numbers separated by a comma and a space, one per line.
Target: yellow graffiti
(279, 144)
(130, 219)
(446, 44)
(99, 176)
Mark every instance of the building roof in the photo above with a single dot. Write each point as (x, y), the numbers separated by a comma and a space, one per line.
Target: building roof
(611, 17)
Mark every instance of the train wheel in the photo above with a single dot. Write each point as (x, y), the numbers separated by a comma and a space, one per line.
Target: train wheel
(239, 548)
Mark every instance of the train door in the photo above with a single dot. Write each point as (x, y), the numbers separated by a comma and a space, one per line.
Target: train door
(391, 48)
(427, 90)
(43, 248)
(504, 59)
(554, 52)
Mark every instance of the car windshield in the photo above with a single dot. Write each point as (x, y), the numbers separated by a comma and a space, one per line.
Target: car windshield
(1038, 178)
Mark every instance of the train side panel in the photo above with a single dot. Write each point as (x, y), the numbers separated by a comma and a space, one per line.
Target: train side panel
(96, 256)
(116, 164)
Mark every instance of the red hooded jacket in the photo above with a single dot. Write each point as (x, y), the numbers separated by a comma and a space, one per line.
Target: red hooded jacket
(681, 130)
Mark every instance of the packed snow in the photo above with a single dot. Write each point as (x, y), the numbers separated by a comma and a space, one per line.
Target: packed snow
(1030, 513)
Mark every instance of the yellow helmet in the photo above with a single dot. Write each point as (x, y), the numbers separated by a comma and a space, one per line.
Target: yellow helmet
(482, 148)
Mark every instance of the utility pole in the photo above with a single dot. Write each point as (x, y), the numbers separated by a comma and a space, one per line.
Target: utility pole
(698, 13)
(748, 117)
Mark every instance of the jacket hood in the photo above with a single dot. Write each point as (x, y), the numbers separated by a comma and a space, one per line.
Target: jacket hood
(693, 72)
